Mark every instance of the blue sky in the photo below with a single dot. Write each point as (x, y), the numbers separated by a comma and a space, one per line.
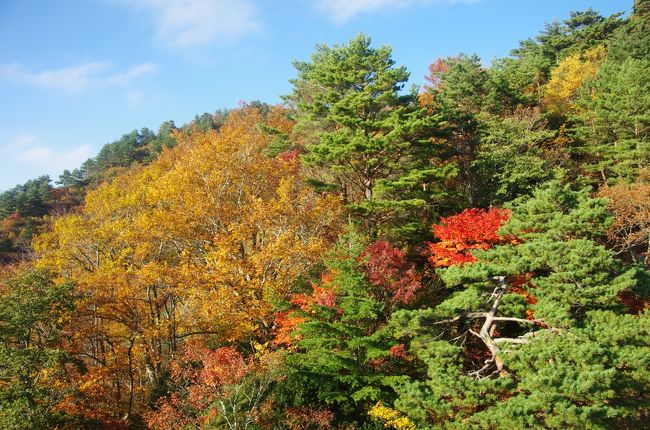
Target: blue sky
(77, 74)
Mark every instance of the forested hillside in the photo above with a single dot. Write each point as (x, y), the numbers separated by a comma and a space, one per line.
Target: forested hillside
(23, 208)
(472, 254)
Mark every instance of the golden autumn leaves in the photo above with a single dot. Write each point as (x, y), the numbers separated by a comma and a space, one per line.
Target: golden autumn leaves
(198, 242)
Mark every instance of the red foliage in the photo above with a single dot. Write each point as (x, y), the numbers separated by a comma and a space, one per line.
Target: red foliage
(223, 366)
(290, 156)
(377, 363)
(324, 295)
(633, 302)
(388, 269)
(399, 351)
(286, 322)
(436, 69)
(285, 326)
(304, 418)
(205, 375)
(459, 234)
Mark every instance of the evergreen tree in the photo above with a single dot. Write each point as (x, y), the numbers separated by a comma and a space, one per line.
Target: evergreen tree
(632, 40)
(543, 344)
(342, 358)
(30, 199)
(458, 93)
(510, 161)
(614, 122)
(164, 139)
(532, 62)
(32, 311)
(74, 179)
(369, 137)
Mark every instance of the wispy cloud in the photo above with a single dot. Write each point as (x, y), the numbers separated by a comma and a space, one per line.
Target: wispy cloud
(76, 78)
(29, 151)
(343, 10)
(18, 142)
(191, 24)
(134, 99)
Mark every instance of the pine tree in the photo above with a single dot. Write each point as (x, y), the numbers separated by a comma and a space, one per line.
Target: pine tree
(533, 334)
(341, 357)
(369, 139)
(615, 119)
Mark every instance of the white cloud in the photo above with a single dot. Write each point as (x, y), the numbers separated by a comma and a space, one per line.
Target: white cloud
(134, 98)
(126, 77)
(76, 78)
(27, 150)
(190, 24)
(22, 141)
(343, 10)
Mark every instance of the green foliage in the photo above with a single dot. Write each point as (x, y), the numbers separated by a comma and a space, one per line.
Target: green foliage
(74, 179)
(572, 273)
(123, 152)
(30, 199)
(571, 372)
(445, 394)
(22, 209)
(510, 161)
(632, 40)
(614, 122)
(585, 378)
(32, 311)
(164, 139)
(542, 324)
(368, 137)
(536, 57)
(341, 356)
(459, 92)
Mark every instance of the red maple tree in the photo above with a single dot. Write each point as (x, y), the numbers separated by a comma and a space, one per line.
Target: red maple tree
(460, 234)
(388, 269)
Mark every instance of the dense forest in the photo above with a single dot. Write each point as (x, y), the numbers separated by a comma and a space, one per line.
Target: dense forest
(472, 254)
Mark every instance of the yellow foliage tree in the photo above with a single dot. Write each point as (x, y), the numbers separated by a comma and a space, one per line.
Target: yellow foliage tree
(568, 77)
(390, 418)
(199, 242)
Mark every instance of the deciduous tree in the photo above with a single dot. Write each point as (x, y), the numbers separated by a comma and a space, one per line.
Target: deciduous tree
(199, 242)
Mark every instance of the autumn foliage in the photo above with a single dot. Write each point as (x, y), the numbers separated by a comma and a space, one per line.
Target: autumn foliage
(462, 233)
(199, 242)
(388, 269)
(630, 232)
(287, 322)
(214, 387)
(267, 267)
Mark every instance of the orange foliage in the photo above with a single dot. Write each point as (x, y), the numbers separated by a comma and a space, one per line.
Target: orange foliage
(462, 233)
(285, 326)
(630, 231)
(520, 284)
(209, 386)
(287, 322)
(305, 418)
(200, 241)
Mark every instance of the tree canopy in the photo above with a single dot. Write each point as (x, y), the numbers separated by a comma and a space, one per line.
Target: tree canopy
(472, 254)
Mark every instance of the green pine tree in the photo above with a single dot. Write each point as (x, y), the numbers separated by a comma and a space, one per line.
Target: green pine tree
(614, 122)
(368, 138)
(553, 349)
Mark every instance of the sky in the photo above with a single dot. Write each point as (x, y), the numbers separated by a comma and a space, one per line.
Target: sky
(77, 74)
